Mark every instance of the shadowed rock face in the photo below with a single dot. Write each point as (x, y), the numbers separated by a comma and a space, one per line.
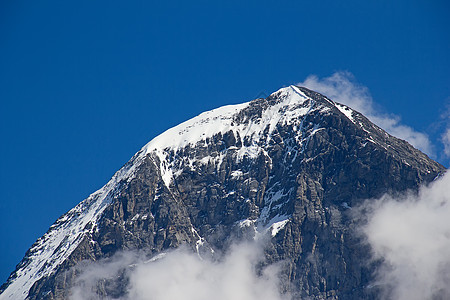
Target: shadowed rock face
(308, 171)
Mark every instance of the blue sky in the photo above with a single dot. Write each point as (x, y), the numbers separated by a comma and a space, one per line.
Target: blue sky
(85, 84)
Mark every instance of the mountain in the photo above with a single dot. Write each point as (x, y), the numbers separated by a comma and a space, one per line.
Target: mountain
(292, 166)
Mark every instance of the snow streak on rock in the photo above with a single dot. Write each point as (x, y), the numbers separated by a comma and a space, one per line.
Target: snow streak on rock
(54, 247)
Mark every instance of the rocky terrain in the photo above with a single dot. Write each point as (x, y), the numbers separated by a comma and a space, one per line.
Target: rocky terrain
(291, 166)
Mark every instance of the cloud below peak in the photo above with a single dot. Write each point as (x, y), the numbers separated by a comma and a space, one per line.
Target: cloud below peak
(182, 274)
(410, 235)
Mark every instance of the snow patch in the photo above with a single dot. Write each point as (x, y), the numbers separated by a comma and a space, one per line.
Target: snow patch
(246, 223)
(236, 174)
(347, 111)
(276, 227)
(276, 224)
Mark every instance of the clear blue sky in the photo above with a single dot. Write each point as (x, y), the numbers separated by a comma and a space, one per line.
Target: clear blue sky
(85, 84)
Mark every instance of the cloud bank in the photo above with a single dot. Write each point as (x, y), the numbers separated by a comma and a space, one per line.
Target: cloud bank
(181, 274)
(411, 236)
(342, 87)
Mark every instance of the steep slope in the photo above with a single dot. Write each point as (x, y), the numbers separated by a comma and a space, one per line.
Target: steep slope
(291, 165)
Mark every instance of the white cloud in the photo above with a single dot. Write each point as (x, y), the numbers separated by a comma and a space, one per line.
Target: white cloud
(411, 236)
(446, 142)
(92, 273)
(342, 87)
(181, 274)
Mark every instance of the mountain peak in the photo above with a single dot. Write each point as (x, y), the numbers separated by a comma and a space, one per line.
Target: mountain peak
(252, 123)
(291, 164)
(250, 120)
(224, 119)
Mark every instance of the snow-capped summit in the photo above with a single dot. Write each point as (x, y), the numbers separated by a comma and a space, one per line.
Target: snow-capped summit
(289, 166)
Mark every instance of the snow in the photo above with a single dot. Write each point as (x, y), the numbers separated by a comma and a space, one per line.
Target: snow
(276, 227)
(199, 128)
(276, 224)
(273, 201)
(347, 111)
(287, 111)
(200, 241)
(236, 174)
(246, 223)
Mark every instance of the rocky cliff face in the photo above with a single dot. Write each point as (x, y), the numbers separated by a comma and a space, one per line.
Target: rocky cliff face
(292, 166)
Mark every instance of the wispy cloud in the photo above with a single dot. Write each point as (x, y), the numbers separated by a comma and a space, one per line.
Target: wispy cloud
(343, 88)
(446, 142)
(445, 123)
(182, 274)
(411, 236)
